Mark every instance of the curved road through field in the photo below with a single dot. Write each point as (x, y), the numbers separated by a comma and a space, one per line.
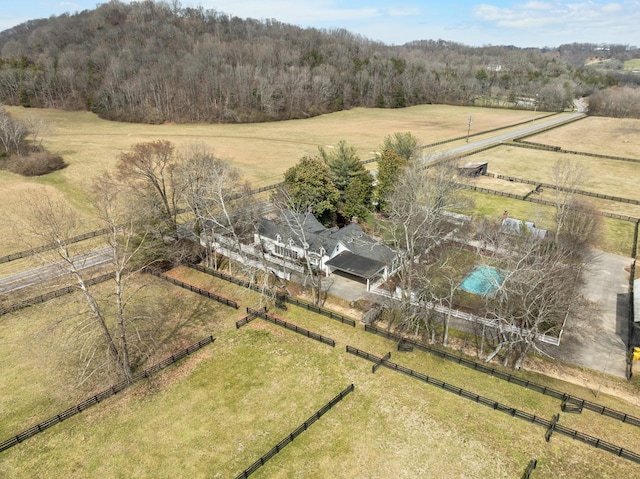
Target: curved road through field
(535, 126)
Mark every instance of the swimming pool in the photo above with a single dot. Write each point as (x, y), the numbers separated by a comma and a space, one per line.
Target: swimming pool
(483, 280)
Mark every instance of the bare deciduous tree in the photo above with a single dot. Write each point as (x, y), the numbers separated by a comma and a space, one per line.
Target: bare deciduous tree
(149, 169)
(106, 333)
(569, 176)
(220, 201)
(418, 221)
(296, 219)
(540, 285)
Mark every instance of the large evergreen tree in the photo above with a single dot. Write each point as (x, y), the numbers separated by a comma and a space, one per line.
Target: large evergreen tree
(351, 178)
(309, 185)
(390, 164)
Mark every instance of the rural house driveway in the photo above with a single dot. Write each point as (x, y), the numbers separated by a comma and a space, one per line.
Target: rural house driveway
(595, 341)
(598, 341)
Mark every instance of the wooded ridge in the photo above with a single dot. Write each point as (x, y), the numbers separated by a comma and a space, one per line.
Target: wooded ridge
(156, 62)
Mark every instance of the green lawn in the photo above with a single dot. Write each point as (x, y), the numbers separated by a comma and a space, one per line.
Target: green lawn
(216, 412)
(633, 64)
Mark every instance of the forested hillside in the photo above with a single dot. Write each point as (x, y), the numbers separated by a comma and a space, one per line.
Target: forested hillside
(156, 62)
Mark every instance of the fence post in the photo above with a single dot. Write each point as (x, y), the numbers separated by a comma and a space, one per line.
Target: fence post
(552, 427)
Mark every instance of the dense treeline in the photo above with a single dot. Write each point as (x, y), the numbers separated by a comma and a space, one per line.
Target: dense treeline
(155, 62)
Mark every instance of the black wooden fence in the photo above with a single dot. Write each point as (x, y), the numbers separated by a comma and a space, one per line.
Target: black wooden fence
(525, 383)
(251, 315)
(262, 313)
(48, 247)
(633, 336)
(295, 433)
(617, 199)
(532, 465)
(541, 146)
(539, 201)
(322, 311)
(200, 291)
(52, 294)
(551, 426)
(297, 302)
(87, 403)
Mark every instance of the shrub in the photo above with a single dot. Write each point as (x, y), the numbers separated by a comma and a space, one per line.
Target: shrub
(34, 164)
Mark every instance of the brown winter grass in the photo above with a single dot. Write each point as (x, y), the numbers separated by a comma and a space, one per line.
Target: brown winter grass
(39, 347)
(262, 151)
(215, 413)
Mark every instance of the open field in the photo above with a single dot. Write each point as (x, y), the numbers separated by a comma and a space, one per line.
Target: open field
(262, 151)
(39, 351)
(605, 136)
(216, 412)
(610, 177)
(633, 64)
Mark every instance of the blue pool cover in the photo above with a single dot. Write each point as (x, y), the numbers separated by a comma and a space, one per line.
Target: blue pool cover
(483, 280)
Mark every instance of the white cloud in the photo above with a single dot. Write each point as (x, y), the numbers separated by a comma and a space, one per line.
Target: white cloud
(309, 12)
(532, 17)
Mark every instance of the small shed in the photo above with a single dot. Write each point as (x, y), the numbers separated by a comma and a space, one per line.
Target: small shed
(473, 169)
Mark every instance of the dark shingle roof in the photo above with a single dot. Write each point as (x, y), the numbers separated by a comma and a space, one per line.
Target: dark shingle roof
(317, 236)
(356, 265)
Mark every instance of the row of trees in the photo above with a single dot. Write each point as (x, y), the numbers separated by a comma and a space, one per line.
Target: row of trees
(536, 282)
(539, 280)
(337, 187)
(154, 62)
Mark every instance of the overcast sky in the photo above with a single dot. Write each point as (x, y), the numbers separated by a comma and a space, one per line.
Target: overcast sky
(491, 22)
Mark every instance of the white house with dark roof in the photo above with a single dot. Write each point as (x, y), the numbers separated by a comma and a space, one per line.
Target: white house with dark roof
(347, 251)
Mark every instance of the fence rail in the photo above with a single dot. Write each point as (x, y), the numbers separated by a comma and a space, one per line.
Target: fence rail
(539, 201)
(52, 294)
(48, 247)
(295, 433)
(289, 299)
(319, 310)
(525, 383)
(116, 388)
(292, 327)
(551, 426)
(251, 315)
(541, 146)
(562, 188)
(200, 291)
(492, 323)
(532, 465)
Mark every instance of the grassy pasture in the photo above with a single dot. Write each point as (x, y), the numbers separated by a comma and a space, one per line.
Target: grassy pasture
(262, 151)
(38, 350)
(608, 177)
(219, 410)
(605, 136)
(633, 64)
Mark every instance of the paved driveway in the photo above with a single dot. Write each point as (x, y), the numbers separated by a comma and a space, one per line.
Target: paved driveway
(598, 341)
